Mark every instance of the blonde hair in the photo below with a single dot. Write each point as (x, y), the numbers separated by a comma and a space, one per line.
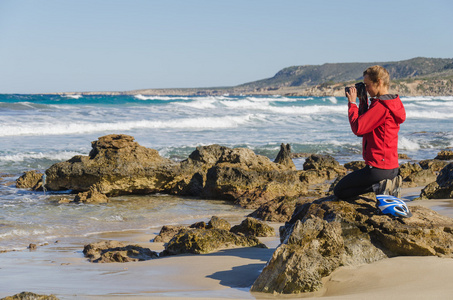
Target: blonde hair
(376, 73)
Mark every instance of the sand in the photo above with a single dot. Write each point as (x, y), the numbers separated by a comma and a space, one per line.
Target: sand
(60, 269)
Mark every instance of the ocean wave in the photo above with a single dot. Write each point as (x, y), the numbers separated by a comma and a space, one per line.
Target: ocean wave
(64, 155)
(80, 128)
(428, 114)
(199, 104)
(407, 144)
(162, 98)
(427, 98)
(75, 96)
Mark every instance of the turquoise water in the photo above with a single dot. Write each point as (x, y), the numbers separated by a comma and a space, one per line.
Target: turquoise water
(39, 130)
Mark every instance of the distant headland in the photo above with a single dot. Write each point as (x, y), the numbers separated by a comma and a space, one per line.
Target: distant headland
(418, 76)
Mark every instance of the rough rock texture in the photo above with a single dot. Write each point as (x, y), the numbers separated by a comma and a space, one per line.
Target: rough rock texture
(116, 165)
(284, 157)
(355, 165)
(319, 168)
(114, 251)
(253, 227)
(218, 223)
(30, 296)
(279, 209)
(30, 180)
(422, 173)
(167, 232)
(199, 241)
(326, 234)
(445, 155)
(91, 196)
(441, 188)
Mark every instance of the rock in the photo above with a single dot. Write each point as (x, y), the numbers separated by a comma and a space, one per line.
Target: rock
(319, 168)
(326, 234)
(284, 157)
(355, 165)
(30, 296)
(433, 164)
(253, 227)
(91, 196)
(116, 165)
(32, 247)
(442, 188)
(114, 251)
(445, 155)
(218, 223)
(200, 241)
(414, 174)
(167, 232)
(279, 209)
(30, 180)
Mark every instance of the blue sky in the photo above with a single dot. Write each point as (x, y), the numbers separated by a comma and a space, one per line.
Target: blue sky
(112, 45)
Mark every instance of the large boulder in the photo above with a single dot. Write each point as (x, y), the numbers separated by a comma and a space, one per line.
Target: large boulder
(326, 234)
(116, 165)
(421, 173)
(442, 188)
(30, 180)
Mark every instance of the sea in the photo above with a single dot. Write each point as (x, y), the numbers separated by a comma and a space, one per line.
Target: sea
(37, 131)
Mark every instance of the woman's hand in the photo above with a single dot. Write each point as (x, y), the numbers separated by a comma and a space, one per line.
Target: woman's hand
(352, 94)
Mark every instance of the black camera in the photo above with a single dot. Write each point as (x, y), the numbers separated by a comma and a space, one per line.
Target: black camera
(362, 95)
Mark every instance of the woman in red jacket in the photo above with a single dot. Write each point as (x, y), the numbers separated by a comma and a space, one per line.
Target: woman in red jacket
(379, 127)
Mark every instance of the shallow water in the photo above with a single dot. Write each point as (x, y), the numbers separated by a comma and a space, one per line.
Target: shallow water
(37, 131)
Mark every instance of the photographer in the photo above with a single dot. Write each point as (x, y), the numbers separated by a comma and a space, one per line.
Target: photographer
(379, 127)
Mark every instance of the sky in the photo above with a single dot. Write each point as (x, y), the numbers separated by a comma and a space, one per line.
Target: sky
(51, 46)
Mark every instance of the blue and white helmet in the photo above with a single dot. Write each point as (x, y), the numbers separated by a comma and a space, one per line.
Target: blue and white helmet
(390, 205)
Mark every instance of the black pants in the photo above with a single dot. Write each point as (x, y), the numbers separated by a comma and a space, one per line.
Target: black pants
(361, 181)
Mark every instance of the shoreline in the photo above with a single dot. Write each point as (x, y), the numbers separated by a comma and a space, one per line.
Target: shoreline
(61, 269)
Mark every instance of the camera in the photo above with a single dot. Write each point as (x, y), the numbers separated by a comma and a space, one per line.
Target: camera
(362, 95)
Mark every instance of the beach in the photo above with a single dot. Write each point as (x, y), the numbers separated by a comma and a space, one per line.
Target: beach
(61, 269)
(61, 127)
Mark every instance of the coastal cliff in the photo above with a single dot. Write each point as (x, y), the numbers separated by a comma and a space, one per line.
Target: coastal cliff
(414, 77)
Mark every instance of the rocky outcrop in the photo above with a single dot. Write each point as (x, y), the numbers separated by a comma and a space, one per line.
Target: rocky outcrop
(116, 165)
(114, 251)
(253, 227)
(326, 234)
(167, 232)
(442, 188)
(30, 180)
(421, 173)
(445, 155)
(91, 196)
(30, 296)
(202, 241)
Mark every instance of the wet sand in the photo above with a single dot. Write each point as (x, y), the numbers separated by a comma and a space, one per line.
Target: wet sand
(61, 269)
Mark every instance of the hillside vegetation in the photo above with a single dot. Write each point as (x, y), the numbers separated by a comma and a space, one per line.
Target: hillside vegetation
(418, 76)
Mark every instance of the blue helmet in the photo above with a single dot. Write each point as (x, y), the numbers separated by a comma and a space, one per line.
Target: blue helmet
(390, 205)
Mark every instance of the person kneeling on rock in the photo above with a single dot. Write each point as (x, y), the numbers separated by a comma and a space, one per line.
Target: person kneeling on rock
(379, 127)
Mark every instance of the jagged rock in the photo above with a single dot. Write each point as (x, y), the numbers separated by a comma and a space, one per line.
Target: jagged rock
(443, 186)
(319, 168)
(326, 234)
(279, 209)
(445, 155)
(284, 157)
(355, 165)
(433, 164)
(420, 174)
(114, 251)
(199, 241)
(254, 227)
(218, 223)
(167, 232)
(116, 165)
(91, 196)
(30, 180)
(30, 296)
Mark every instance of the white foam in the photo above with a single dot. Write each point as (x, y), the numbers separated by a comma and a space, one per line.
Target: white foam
(64, 155)
(407, 144)
(163, 98)
(88, 127)
(75, 96)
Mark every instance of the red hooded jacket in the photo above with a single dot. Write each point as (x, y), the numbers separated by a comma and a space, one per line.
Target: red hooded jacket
(379, 127)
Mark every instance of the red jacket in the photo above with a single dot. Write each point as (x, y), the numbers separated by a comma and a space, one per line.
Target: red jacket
(379, 127)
